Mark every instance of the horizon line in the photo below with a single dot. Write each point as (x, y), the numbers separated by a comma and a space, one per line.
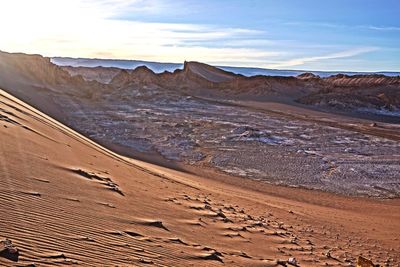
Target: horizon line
(214, 65)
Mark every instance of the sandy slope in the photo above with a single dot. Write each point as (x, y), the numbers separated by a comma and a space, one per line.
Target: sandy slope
(66, 200)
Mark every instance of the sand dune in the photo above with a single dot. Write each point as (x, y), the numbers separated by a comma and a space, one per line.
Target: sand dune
(208, 72)
(67, 201)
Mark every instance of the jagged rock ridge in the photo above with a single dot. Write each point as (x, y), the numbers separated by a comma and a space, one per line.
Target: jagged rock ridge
(198, 79)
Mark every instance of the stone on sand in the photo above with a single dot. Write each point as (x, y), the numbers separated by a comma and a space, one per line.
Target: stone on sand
(7, 250)
(363, 262)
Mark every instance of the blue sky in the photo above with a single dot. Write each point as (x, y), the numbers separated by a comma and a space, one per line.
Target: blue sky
(316, 35)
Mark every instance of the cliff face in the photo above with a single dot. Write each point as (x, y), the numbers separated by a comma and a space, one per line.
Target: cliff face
(366, 81)
(358, 91)
(100, 74)
(138, 77)
(36, 80)
(39, 72)
(34, 69)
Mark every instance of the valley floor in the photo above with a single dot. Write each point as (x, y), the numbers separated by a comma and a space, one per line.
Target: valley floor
(277, 143)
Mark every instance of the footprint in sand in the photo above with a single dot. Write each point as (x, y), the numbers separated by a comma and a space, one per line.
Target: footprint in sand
(36, 194)
(106, 204)
(176, 240)
(152, 223)
(103, 180)
(215, 256)
(41, 180)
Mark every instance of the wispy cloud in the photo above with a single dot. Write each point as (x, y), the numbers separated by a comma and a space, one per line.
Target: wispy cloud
(342, 26)
(383, 28)
(128, 9)
(342, 54)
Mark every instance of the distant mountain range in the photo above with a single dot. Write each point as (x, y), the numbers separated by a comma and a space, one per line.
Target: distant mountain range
(22, 73)
(159, 67)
